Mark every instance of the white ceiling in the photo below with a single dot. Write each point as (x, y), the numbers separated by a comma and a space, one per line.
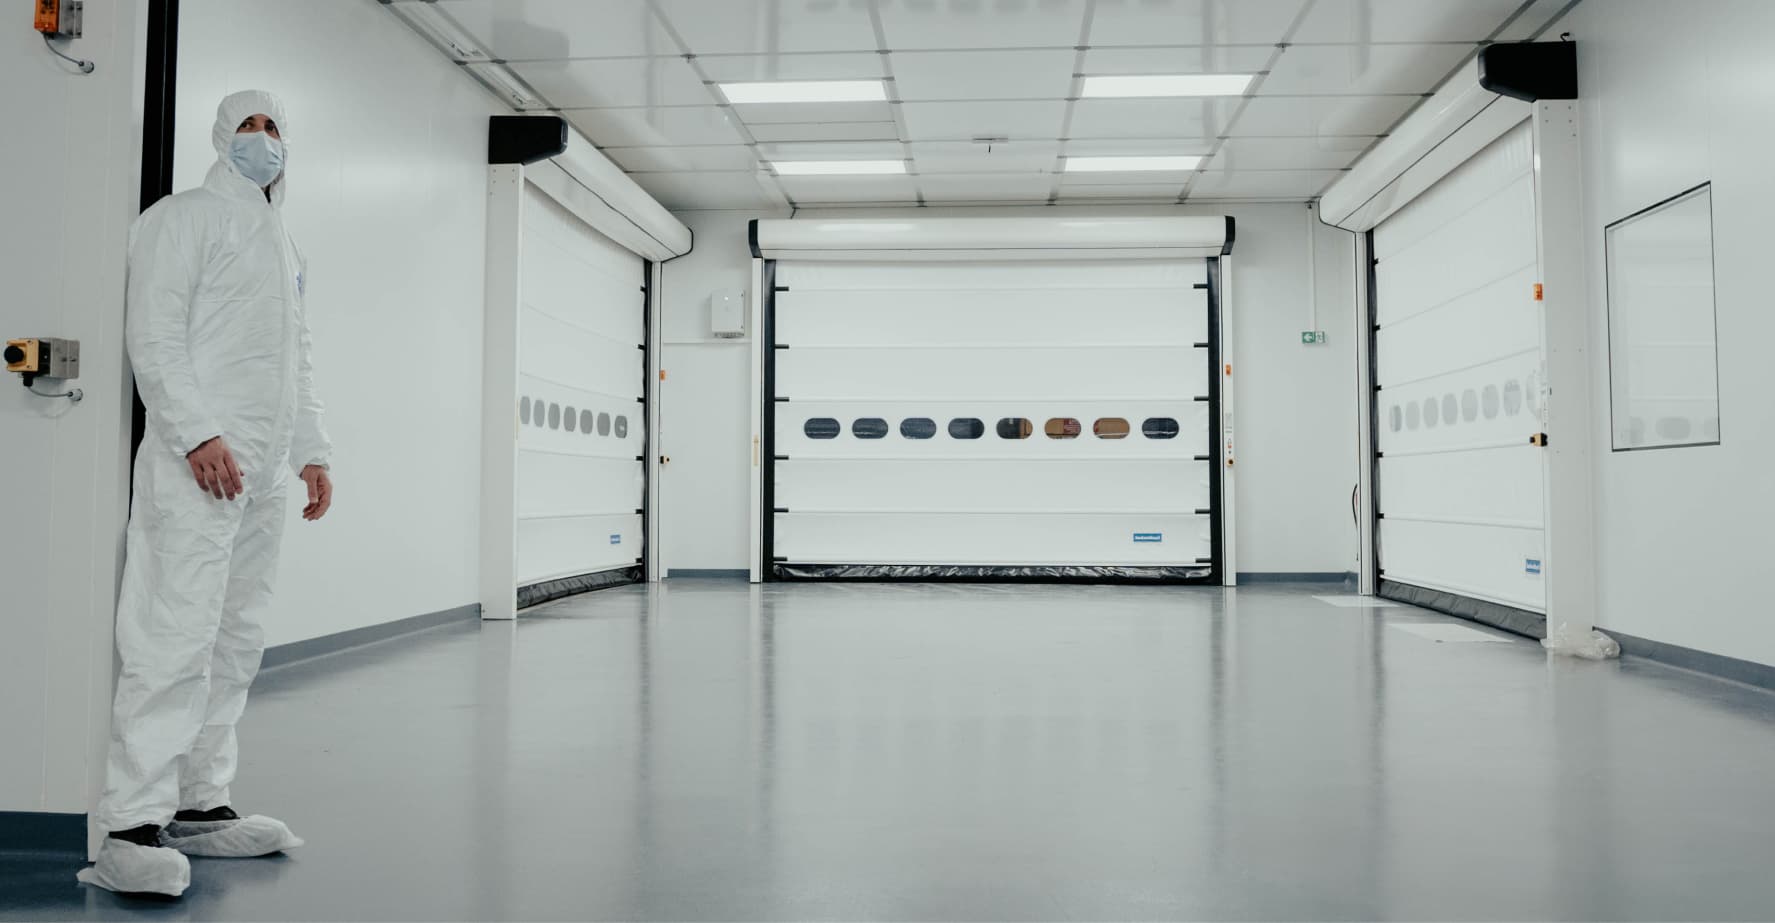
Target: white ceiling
(637, 77)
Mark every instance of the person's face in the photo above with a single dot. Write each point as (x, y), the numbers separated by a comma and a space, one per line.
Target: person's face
(258, 123)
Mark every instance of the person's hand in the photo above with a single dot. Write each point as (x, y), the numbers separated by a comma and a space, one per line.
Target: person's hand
(213, 466)
(320, 492)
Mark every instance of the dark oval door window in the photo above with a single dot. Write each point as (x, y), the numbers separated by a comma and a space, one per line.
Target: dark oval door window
(822, 428)
(554, 416)
(1159, 428)
(870, 428)
(622, 427)
(603, 424)
(966, 428)
(918, 428)
(524, 411)
(1015, 428)
(587, 422)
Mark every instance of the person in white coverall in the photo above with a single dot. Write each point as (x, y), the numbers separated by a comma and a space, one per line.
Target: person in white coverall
(219, 339)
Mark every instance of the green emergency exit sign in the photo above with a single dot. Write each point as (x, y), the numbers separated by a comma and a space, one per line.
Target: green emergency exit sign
(1312, 337)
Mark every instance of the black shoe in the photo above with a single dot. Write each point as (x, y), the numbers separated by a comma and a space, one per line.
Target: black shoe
(213, 814)
(145, 835)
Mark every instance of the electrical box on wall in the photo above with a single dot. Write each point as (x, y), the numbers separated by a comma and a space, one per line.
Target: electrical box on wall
(44, 357)
(727, 315)
(60, 18)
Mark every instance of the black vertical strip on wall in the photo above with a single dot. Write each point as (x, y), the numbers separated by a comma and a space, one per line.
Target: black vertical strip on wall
(1371, 312)
(160, 92)
(767, 453)
(647, 375)
(1216, 553)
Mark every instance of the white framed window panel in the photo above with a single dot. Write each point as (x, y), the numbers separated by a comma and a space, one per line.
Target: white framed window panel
(1458, 360)
(1085, 340)
(582, 426)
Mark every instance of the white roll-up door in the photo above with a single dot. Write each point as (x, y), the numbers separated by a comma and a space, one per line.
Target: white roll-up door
(582, 423)
(1457, 356)
(969, 418)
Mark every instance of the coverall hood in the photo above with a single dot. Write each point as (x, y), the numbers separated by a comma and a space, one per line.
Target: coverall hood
(235, 108)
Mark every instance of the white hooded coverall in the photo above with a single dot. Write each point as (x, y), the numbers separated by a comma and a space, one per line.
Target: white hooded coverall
(219, 339)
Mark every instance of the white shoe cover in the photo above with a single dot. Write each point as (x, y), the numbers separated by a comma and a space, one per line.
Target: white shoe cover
(245, 838)
(127, 868)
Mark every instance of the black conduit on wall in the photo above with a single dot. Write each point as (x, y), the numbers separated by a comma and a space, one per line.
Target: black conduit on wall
(160, 93)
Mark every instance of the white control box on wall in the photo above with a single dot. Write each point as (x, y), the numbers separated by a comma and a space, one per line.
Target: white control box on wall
(727, 314)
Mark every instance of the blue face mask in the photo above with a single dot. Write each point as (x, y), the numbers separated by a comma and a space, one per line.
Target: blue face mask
(258, 156)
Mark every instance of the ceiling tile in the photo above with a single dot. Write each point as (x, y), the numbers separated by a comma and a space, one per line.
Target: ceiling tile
(683, 159)
(1292, 185)
(754, 67)
(826, 131)
(1212, 59)
(1360, 69)
(687, 191)
(921, 24)
(959, 157)
(769, 26)
(850, 189)
(1404, 20)
(1531, 21)
(664, 127)
(971, 187)
(779, 113)
(1332, 153)
(1317, 116)
(608, 83)
(1025, 74)
(1195, 119)
(1192, 22)
(832, 150)
(536, 29)
(961, 121)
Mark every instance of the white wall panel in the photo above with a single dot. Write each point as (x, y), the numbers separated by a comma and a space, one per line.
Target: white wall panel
(388, 181)
(72, 155)
(581, 425)
(1682, 534)
(1458, 358)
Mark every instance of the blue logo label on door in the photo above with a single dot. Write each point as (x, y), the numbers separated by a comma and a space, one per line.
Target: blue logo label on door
(1149, 538)
(1531, 566)
(616, 539)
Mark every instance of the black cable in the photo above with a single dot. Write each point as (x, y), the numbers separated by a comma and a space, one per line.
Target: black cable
(86, 67)
(75, 394)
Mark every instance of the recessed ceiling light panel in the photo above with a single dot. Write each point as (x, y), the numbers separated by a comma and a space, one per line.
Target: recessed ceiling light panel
(1151, 164)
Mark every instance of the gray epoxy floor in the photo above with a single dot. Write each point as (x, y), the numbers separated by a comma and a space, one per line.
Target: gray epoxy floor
(710, 751)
